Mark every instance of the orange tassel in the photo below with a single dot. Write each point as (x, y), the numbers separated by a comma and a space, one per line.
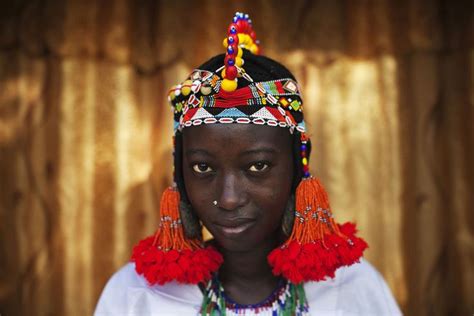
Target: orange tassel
(313, 217)
(169, 255)
(317, 245)
(170, 234)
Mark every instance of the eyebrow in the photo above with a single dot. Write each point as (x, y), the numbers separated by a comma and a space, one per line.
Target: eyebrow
(260, 150)
(266, 150)
(193, 151)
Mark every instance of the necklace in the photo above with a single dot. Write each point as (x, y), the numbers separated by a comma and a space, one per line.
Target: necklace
(287, 299)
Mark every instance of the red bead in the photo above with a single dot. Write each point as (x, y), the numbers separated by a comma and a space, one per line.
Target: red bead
(232, 50)
(235, 39)
(253, 35)
(240, 26)
(231, 72)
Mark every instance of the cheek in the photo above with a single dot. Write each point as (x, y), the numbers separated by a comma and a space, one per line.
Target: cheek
(199, 193)
(271, 200)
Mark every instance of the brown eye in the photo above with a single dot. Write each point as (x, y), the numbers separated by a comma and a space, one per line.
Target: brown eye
(258, 167)
(201, 168)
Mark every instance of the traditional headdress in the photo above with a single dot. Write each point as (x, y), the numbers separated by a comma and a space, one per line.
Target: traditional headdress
(317, 245)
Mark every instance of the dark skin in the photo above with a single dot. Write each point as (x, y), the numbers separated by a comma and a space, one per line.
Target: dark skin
(248, 170)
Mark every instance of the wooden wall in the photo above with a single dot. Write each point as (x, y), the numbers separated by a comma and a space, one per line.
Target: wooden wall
(85, 134)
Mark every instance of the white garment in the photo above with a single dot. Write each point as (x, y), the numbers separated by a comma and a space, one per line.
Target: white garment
(356, 290)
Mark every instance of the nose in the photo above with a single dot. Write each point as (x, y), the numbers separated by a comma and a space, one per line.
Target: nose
(231, 193)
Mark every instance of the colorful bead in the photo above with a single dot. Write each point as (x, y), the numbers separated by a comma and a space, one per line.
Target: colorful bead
(232, 29)
(231, 49)
(229, 85)
(177, 90)
(186, 89)
(239, 61)
(231, 72)
(206, 89)
(254, 49)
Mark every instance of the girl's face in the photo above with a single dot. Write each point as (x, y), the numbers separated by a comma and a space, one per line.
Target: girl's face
(248, 170)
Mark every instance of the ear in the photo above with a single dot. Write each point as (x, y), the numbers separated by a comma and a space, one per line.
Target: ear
(192, 226)
(289, 216)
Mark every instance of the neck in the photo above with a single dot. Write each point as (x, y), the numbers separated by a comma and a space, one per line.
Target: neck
(246, 275)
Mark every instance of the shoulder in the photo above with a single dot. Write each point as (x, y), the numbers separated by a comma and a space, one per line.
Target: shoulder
(356, 290)
(127, 293)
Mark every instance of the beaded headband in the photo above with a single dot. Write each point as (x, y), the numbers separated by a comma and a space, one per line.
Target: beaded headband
(201, 100)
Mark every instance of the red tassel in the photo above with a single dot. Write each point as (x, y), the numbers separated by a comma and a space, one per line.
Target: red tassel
(317, 245)
(169, 255)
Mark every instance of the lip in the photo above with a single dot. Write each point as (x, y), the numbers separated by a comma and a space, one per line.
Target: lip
(234, 227)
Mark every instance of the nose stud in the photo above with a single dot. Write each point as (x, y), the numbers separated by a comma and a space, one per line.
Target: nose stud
(214, 202)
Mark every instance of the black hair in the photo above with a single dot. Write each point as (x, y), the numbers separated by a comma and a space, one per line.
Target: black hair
(260, 68)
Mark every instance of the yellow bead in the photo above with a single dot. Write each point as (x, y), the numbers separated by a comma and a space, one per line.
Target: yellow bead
(249, 39)
(186, 89)
(223, 73)
(240, 52)
(172, 96)
(242, 39)
(239, 62)
(224, 42)
(229, 85)
(253, 49)
(305, 161)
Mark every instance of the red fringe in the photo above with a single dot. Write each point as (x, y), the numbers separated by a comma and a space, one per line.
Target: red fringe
(185, 266)
(169, 255)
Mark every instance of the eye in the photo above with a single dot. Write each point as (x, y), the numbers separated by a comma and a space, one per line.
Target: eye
(259, 166)
(201, 168)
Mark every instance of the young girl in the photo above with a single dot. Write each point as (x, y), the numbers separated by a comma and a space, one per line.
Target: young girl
(241, 170)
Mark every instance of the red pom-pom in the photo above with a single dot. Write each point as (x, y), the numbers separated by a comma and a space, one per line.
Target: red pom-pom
(185, 266)
(317, 260)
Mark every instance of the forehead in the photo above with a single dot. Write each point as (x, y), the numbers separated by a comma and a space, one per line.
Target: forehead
(236, 137)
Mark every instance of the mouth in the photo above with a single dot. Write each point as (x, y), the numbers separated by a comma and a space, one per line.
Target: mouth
(234, 227)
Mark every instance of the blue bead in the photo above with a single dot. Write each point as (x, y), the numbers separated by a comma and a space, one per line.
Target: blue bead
(303, 147)
(230, 40)
(231, 62)
(235, 19)
(307, 174)
(230, 50)
(233, 30)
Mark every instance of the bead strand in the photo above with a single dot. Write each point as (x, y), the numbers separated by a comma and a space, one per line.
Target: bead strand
(304, 157)
(240, 34)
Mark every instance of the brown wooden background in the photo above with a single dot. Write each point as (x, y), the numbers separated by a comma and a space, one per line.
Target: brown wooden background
(85, 134)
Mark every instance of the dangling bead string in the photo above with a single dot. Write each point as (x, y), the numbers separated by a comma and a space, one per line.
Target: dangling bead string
(304, 158)
(240, 34)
